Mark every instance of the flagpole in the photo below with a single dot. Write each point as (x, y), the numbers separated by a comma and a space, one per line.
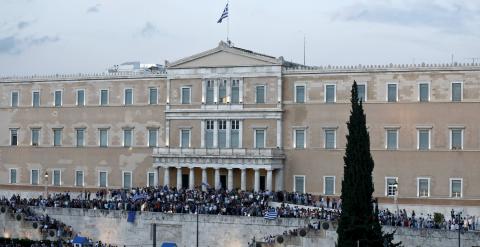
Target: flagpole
(228, 20)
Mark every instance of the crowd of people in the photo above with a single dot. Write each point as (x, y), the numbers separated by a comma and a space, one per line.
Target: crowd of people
(171, 200)
(428, 221)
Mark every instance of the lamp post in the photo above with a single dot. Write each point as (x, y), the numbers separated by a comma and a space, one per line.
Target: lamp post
(46, 184)
(395, 198)
(459, 214)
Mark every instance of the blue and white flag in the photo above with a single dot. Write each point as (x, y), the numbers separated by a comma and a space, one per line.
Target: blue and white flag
(224, 14)
(271, 214)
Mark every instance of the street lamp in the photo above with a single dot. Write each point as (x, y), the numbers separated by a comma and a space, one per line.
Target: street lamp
(46, 184)
(395, 197)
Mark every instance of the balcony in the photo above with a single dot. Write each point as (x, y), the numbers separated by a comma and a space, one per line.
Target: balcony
(244, 153)
(267, 158)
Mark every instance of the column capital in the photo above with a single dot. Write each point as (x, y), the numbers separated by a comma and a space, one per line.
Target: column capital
(229, 168)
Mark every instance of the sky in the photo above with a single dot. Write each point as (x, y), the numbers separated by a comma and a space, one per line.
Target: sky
(85, 36)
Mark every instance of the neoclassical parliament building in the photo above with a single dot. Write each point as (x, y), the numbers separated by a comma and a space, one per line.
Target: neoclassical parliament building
(236, 119)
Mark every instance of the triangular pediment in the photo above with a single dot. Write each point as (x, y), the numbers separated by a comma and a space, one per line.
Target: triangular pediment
(225, 56)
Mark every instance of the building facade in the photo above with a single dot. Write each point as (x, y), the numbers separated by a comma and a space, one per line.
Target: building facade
(232, 118)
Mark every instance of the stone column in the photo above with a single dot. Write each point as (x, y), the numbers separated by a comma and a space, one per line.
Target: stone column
(191, 178)
(279, 180)
(269, 180)
(204, 178)
(243, 179)
(167, 133)
(158, 177)
(217, 178)
(230, 179)
(202, 133)
(256, 185)
(166, 176)
(179, 178)
(279, 133)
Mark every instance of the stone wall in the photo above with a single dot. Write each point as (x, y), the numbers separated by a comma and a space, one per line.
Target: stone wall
(213, 230)
(112, 227)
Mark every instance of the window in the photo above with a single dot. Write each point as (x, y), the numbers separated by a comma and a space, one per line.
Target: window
(79, 180)
(299, 136)
(104, 97)
(186, 95)
(362, 92)
(300, 94)
(13, 137)
(14, 99)
(12, 178)
(35, 136)
(222, 92)
(330, 139)
(235, 134)
(235, 98)
(423, 139)
(153, 96)
(80, 137)
(457, 91)
(34, 177)
(209, 134)
(423, 189)
(330, 96)
(36, 99)
(150, 179)
(102, 179)
(456, 139)
(103, 137)
(127, 137)
(423, 92)
(127, 180)
(392, 139)
(329, 185)
(152, 137)
(57, 178)
(222, 133)
(392, 92)
(299, 184)
(259, 138)
(185, 138)
(57, 137)
(391, 186)
(456, 187)
(260, 94)
(128, 97)
(58, 98)
(81, 97)
(210, 91)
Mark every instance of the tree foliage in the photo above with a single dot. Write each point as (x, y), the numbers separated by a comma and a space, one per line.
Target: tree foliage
(359, 225)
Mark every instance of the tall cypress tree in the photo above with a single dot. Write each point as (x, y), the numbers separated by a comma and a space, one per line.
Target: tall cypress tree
(358, 223)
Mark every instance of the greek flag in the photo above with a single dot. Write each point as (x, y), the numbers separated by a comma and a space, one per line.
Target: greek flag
(224, 14)
(271, 214)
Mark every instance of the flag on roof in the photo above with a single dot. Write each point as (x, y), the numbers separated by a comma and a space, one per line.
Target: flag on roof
(224, 14)
(271, 214)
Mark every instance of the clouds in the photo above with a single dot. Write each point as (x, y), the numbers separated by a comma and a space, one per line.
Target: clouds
(15, 45)
(439, 15)
(94, 9)
(149, 30)
(23, 24)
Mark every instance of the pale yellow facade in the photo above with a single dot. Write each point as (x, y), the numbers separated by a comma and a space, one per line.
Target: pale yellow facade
(233, 118)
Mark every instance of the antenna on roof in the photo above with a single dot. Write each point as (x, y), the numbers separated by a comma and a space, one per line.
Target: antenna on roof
(304, 38)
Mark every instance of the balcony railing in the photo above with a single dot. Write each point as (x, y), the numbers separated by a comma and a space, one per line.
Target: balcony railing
(219, 152)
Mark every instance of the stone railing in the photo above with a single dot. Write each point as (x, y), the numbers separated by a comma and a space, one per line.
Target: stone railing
(83, 76)
(219, 152)
(386, 67)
